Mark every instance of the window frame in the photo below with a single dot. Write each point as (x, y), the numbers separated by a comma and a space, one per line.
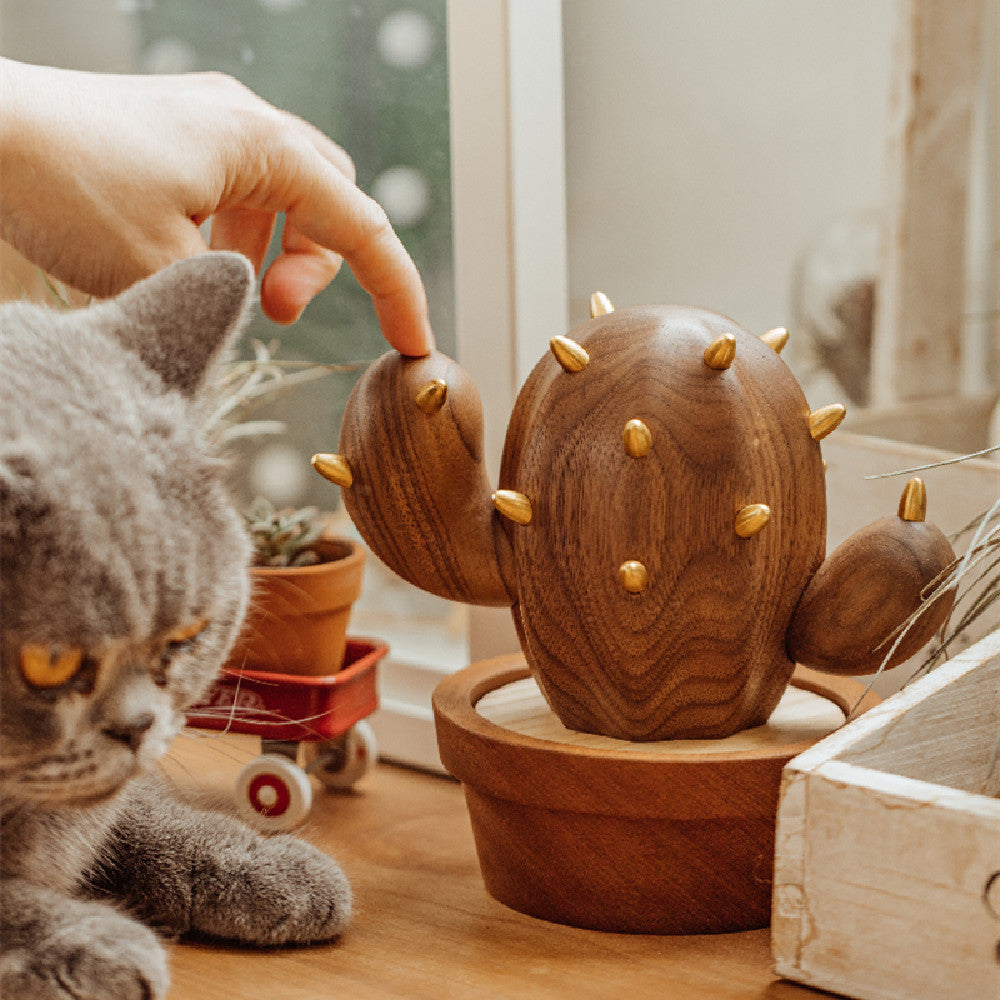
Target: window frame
(509, 230)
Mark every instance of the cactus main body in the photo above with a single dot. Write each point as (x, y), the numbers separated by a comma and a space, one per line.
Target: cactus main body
(663, 520)
(706, 633)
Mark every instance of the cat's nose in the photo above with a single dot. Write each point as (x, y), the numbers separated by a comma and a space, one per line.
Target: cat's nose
(132, 731)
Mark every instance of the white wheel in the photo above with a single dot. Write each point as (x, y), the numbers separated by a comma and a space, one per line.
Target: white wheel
(273, 793)
(341, 763)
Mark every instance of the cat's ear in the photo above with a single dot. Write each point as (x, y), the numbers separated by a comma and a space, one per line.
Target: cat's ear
(182, 318)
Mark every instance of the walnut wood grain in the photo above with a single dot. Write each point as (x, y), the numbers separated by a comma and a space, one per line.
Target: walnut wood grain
(420, 494)
(700, 652)
(662, 841)
(870, 584)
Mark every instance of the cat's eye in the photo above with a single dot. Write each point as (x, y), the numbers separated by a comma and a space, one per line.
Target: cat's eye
(50, 666)
(186, 634)
(180, 640)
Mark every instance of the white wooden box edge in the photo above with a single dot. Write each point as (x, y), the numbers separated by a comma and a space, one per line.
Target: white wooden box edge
(882, 715)
(868, 900)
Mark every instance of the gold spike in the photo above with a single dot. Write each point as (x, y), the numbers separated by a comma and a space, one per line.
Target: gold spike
(720, 353)
(600, 305)
(825, 420)
(569, 354)
(751, 519)
(775, 339)
(335, 468)
(514, 506)
(431, 397)
(824, 464)
(632, 576)
(637, 439)
(913, 502)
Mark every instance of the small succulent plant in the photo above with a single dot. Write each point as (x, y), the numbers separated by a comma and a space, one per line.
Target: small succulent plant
(283, 537)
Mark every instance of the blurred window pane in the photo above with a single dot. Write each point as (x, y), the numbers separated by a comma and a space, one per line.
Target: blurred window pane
(373, 76)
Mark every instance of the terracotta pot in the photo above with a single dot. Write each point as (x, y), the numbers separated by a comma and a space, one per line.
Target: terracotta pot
(297, 621)
(668, 838)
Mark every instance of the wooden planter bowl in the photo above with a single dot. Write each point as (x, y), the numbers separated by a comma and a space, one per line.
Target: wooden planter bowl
(675, 837)
(297, 621)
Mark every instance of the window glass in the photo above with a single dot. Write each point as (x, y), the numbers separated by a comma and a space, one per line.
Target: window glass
(373, 76)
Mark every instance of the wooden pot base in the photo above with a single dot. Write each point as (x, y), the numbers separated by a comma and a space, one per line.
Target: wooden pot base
(675, 837)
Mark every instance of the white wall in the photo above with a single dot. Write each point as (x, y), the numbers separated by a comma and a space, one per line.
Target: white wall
(707, 141)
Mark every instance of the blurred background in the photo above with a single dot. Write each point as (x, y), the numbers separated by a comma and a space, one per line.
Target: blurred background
(748, 157)
(728, 155)
(372, 75)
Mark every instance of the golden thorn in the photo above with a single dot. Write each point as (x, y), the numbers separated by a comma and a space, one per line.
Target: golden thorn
(600, 305)
(633, 576)
(335, 468)
(775, 339)
(825, 420)
(913, 502)
(569, 354)
(720, 353)
(824, 464)
(431, 397)
(751, 519)
(514, 506)
(637, 439)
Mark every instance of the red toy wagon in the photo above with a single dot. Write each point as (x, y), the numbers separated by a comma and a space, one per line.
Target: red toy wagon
(316, 718)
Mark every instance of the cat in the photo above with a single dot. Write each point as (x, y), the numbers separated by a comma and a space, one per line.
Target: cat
(123, 582)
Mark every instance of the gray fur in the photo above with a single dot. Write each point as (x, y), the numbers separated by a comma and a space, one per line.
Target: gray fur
(115, 530)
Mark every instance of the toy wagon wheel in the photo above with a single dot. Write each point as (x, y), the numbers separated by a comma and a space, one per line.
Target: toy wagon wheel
(342, 762)
(273, 793)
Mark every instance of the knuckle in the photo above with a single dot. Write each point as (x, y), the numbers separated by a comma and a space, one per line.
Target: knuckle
(377, 223)
(222, 81)
(348, 168)
(373, 228)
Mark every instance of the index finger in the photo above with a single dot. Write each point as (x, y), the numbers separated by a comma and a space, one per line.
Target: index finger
(333, 212)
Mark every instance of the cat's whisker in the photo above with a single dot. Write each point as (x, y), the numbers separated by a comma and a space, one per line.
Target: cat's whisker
(232, 714)
(224, 748)
(259, 717)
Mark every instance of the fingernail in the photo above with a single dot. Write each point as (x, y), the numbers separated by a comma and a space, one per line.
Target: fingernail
(419, 343)
(429, 337)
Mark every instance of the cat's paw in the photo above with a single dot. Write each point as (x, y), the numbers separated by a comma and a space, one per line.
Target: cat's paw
(94, 955)
(273, 891)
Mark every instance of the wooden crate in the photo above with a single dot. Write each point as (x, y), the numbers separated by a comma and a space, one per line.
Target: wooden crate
(887, 871)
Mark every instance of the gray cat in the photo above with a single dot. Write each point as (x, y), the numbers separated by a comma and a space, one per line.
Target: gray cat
(123, 583)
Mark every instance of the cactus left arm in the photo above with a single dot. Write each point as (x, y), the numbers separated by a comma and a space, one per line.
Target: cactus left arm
(415, 482)
(869, 586)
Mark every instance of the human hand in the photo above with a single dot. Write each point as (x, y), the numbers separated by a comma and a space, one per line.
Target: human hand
(106, 179)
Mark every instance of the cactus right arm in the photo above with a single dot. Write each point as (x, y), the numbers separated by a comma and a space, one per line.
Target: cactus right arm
(412, 444)
(852, 613)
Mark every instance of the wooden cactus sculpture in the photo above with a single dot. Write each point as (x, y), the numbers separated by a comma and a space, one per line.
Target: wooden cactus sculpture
(659, 530)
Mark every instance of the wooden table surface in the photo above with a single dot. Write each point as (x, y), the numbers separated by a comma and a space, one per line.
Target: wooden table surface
(424, 926)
